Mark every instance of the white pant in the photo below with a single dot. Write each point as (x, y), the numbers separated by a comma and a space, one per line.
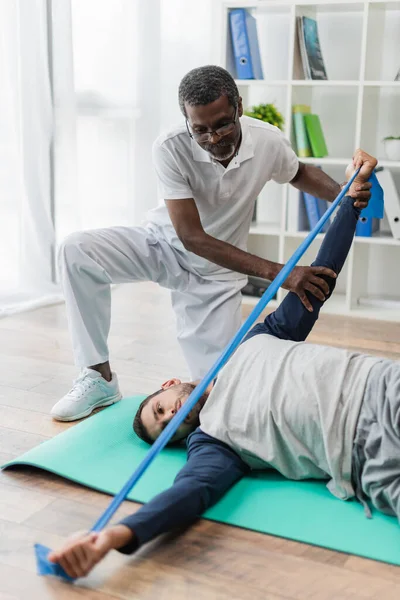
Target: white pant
(207, 311)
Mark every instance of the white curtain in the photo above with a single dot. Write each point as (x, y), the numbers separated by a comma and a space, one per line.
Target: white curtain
(86, 87)
(26, 214)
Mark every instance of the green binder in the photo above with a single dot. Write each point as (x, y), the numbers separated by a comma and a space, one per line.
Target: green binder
(315, 135)
(302, 143)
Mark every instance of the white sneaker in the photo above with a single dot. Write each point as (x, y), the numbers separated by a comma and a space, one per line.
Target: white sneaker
(89, 391)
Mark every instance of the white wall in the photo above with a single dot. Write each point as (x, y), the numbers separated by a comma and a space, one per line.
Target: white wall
(186, 43)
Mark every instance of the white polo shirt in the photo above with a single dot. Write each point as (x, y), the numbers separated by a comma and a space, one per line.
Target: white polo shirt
(224, 197)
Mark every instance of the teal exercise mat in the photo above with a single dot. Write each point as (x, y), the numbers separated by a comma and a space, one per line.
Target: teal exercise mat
(102, 452)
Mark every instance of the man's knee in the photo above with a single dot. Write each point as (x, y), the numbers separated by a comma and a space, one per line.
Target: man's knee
(72, 246)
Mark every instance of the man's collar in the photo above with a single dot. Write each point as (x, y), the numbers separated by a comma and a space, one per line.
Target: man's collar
(245, 152)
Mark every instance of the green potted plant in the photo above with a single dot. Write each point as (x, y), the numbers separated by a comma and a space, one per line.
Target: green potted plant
(392, 147)
(267, 113)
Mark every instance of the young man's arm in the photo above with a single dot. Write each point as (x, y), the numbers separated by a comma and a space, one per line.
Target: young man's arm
(212, 468)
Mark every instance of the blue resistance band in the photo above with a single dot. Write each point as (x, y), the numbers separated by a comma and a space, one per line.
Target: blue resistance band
(45, 567)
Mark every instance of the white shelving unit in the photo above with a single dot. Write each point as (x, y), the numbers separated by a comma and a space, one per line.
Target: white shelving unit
(358, 105)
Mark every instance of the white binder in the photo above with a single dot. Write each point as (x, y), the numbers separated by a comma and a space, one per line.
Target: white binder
(392, 200)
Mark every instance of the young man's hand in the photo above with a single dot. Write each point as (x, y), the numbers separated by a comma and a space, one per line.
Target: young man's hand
(360, 188)
(309, 279)
(84, 550)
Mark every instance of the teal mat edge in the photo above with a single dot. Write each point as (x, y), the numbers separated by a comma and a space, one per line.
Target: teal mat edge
(214, 520)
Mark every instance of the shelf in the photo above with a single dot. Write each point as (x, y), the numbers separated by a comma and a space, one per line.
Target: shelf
(316, 82)
(390, 164)
(325, 5)
(324, 82)
(301, 235)
(261, 82)
(395, 84)
(382, 162)
(326, 161)
(264, 229)
(358, 106)
(383, 239)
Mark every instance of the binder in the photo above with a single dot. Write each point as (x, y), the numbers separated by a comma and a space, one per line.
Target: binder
(302, 142)
(313, 54)
(246, 51)
(366, 226)
(315, 135)
(301, 68)
(368, 222)
(315, 208)
(392, 200)
(296, 211)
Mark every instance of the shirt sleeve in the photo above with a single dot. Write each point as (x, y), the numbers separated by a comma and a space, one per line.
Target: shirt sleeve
(286, 162)
(172, 185)
(212, 468)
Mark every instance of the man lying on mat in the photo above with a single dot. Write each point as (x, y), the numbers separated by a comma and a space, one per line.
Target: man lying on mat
(305, 410)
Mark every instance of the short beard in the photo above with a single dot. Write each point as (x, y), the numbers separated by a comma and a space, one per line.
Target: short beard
(229, 153)
(185, 389)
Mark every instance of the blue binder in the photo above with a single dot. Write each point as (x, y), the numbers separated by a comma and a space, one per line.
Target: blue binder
(366, 226)
(368, 222)
(245, 48)
(315, 208)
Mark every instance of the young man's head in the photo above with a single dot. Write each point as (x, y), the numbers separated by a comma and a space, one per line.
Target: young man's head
(156, 411)
(210, 102)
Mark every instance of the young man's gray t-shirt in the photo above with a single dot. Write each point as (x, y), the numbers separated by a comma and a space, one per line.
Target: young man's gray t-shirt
(290, 406)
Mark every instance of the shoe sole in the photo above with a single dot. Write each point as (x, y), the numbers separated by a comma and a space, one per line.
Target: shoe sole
(87, 412)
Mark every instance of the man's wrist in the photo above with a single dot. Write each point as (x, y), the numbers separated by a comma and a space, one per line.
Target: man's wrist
(119, 536)
(272, 270)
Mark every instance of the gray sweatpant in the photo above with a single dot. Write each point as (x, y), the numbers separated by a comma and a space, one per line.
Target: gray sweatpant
(376, 451)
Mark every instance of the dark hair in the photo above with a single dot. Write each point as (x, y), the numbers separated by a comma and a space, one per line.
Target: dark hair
(206, 84)
(140, 429)
(138, 426)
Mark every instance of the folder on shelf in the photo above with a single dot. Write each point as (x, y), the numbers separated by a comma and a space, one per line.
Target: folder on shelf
(298, 68)
(296, 212)
(302, 48)
(313, 62)
(300, 131)
(315, 135)
(246, 51)
(366, 226)
(392, 200)
(315, 208)
(369, 220)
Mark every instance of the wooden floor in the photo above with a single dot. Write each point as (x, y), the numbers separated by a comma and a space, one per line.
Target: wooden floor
(209, 561)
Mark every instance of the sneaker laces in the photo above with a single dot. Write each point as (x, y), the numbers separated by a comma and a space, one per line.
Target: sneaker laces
(81, 385)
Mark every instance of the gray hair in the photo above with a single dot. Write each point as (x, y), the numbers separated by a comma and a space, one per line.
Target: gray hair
(206, 84)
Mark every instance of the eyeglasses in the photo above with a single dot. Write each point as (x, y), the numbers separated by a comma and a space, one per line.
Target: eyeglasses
(221, 131)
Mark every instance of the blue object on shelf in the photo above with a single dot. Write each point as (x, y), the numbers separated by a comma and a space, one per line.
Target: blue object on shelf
(368, 222)
(245, 48)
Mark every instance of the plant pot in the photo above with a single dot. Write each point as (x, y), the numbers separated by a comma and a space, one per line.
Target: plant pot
(392, 149)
